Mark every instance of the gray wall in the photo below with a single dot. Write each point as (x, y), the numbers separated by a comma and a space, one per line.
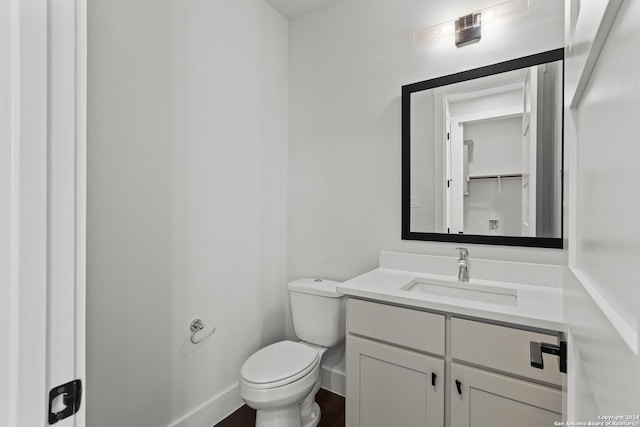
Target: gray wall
(549, 163)
(423, 159)
(5, 191)
(187, 212)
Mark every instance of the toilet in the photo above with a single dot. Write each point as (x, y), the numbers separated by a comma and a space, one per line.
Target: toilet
(281, 380)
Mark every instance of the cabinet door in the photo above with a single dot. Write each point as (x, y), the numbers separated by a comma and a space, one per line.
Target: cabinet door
(391, 386)
(491, 400)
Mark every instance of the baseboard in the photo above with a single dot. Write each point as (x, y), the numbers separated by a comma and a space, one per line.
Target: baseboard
(213, 410)
(333, 380)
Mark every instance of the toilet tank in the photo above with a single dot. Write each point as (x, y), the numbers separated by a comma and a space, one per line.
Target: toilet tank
(318, 311)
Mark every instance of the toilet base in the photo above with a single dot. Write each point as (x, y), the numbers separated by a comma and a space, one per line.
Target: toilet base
(313, 418)
(281, 417)
(309, 409)
(303, 414)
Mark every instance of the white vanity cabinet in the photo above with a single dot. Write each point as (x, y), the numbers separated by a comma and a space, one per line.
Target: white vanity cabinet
(390, 379)
(405, 366)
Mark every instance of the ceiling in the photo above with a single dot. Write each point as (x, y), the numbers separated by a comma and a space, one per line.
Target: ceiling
(440, 10)
(291, 8)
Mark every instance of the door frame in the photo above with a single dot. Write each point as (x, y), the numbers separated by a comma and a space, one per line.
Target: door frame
(66, 254)
(32, 118)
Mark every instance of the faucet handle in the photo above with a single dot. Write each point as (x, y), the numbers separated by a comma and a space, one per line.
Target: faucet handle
(464, 253)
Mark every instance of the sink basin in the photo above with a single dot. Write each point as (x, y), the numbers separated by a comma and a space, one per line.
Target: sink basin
(463, 291)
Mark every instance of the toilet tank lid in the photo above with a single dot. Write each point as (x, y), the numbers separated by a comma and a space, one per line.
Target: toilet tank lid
(315, 286)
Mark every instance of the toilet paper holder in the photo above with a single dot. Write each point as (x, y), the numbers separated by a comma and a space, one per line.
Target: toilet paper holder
(195, 326)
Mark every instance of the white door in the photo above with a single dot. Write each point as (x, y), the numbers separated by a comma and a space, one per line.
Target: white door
(482, 398)
(447, 165)
(601, 292)
(42, 208)
(529, 152)
(456, 165)
(389, 386)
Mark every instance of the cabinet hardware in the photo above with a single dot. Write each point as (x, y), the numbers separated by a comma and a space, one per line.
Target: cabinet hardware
(433, 379)
(459, 387)
(537, 348)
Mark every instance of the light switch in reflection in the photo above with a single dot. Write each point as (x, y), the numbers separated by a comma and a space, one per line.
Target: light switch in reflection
(415, 201)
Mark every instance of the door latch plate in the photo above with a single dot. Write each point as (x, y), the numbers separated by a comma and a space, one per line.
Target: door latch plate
(71, 393)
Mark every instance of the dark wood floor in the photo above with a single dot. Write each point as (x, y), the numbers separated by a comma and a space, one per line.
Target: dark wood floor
(331, 412)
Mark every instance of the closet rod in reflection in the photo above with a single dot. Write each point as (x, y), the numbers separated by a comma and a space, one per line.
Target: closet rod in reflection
(506, 175)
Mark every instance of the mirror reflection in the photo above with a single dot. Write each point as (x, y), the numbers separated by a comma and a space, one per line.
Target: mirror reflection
(486, 155)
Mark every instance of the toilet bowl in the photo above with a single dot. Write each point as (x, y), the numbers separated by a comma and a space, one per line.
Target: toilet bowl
(281, 380)
(277, 379)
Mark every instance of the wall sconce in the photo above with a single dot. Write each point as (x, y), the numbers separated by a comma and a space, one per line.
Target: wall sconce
(467, 29)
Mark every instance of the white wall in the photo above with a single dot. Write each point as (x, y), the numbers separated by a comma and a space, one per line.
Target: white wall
(601, 291)
(187, 204)
(512, 100)
(347, 63)
(497, 146)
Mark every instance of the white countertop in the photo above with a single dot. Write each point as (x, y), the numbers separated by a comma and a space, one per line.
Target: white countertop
(537, 306)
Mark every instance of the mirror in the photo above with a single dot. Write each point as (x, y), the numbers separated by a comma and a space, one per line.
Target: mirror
(482, 154)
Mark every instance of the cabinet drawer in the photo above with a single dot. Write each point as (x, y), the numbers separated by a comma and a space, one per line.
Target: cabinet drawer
(502, 348)
(409, 328)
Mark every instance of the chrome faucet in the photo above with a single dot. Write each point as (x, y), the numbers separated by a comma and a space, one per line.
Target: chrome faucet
(463, 268)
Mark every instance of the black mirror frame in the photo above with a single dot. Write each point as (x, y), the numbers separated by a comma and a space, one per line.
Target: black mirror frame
(407, 90)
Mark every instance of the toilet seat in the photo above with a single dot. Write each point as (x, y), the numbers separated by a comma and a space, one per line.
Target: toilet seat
(278, 364)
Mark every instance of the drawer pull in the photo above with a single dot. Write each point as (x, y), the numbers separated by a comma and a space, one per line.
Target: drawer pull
(459, 387)
(433, 379)
(537, 348)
